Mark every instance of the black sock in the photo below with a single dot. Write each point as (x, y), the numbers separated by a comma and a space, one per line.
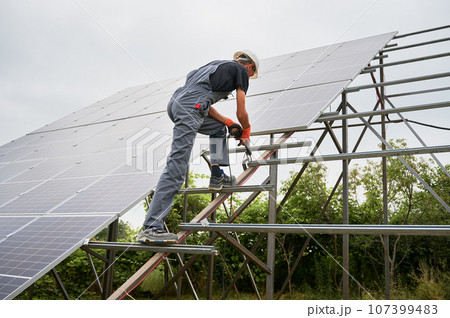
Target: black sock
(215, 171)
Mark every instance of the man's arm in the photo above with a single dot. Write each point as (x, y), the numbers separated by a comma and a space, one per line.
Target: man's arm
(241, 112)
(213, 113)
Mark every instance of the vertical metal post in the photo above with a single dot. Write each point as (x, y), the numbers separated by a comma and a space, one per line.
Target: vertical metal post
(272, 220)
(185, 202)
(184, 218)
(110, 255)
(209, 281)
(387, 278)
(345, 237)
(31, 292)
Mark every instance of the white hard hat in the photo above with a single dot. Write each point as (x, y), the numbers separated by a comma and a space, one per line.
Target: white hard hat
(250, 55)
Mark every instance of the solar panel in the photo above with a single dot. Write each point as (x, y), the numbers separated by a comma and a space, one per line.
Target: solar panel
(292, 94)
(112, 194)
(67, 180)
(11, 225)
(9, 285)
(46, 196)
(10, 169)
(39, 246)
(12, 191)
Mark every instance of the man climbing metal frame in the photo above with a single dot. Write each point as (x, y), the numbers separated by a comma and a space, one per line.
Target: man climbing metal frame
(191, 110)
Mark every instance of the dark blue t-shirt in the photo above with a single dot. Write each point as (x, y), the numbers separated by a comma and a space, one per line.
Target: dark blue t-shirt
(228, 77)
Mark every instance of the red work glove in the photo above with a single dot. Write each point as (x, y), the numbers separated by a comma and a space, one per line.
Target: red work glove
(245, 138)
(234, 129)
(229, 122)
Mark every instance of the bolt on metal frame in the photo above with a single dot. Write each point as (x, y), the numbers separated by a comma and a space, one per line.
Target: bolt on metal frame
(270, 157)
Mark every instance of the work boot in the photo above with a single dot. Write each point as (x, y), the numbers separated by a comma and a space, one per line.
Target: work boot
(155, 235)
(217, 183)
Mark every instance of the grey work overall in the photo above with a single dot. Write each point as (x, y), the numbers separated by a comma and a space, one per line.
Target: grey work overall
(188, 109)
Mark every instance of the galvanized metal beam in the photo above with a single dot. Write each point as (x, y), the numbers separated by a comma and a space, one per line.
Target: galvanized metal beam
(387, 278)
(171, 248)
(405, 109)
(356, 155)
(402, 81)
(421, 32)
(249, 188)
(89, 251)
(255, 260)
(417, 59)
(345, 205)
(424, 91)
(415, 45)
(94, 271)
(310, 229)
(108, 277)
(269, 147)
(60, 284)
(272, 218)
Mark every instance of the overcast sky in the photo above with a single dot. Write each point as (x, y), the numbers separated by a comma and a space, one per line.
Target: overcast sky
(55, 57)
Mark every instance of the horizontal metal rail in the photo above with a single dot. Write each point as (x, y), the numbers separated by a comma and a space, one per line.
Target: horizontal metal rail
(382, 56)
(424, 91)
(422, 31)
(170, 248)
(402, 81)
(415, 45)
(391, 45)
(384, 111)
(417, 59)
(432, 230)
(396, 121)
(354, 155)
(249, 188)
(268, 147)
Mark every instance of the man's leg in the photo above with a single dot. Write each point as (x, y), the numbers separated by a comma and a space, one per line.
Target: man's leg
(218, 147)
(174, 173)
(172, 177)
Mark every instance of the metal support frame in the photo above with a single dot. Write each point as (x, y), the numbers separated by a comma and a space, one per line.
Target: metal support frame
(356, 155)
(273, 175)
(60, 283)
(325, 207)
(210, 278)
(269, 158)
(385, 111)
(110, 255)
(247, 267)
(249, 188)
(402, 81)
(309, 229)
(387, 279)
(172, 248)
(345, 211)
(94, 271)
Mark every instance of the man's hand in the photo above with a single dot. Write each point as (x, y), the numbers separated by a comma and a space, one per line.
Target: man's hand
(234, 129)
(245, 138)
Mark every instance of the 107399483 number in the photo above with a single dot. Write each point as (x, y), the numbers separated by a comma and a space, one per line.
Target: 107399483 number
(402, 309)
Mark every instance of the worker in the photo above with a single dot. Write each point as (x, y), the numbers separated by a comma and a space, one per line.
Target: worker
(191, 110)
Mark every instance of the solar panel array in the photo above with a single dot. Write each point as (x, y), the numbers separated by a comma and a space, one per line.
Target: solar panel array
(66, 181)
(293, 90)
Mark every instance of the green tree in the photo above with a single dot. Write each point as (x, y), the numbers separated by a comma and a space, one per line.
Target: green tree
(408, 203)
